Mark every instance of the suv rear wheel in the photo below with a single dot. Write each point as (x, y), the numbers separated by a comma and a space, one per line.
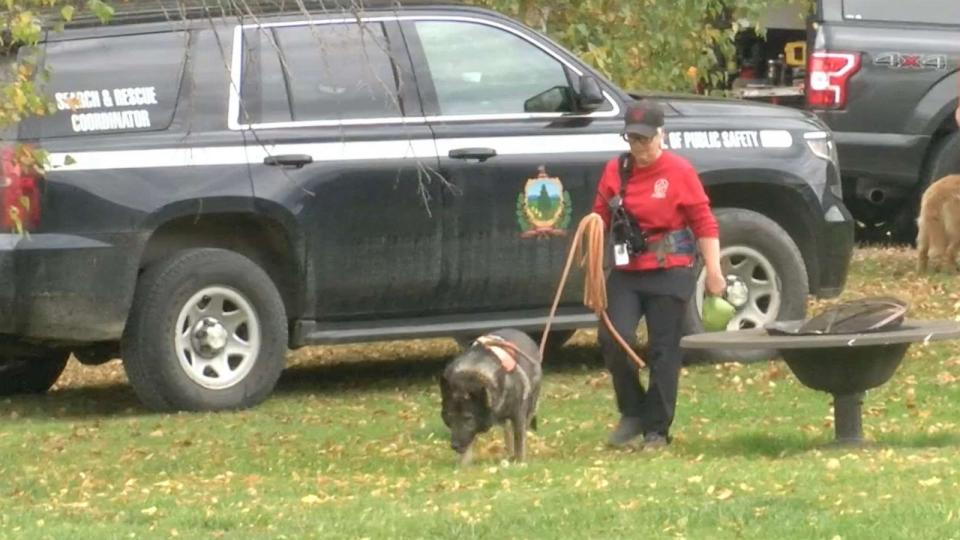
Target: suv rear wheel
(766, 281)
(556, 340)
(207, 331)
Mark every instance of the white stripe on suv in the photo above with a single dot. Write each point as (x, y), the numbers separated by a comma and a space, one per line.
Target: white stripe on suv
(583, 143)
(337, 151)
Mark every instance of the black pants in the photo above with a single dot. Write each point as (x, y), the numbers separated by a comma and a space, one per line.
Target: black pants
(661, 297)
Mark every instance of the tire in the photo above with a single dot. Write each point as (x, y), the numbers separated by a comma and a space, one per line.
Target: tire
(556, 339)
(465, 340)
(204, 292)
(31, 374)
(944, 160)
(766, 277)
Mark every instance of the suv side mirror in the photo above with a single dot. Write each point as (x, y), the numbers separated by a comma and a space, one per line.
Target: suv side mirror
(556, 99)
(590, 96)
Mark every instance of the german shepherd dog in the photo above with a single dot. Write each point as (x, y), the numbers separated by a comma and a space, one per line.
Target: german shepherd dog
(938, 235)
(479, 388)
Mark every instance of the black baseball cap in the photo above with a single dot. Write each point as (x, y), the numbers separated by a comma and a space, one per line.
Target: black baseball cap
(644, 118)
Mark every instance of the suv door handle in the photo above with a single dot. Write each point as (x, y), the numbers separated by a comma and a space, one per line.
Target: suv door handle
(289, 160)
(480, 154)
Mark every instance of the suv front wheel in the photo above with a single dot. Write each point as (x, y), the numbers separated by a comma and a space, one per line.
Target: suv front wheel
(766, 281)
(207, 331)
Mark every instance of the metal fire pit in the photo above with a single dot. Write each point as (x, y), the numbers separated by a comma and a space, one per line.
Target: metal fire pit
(844, 365)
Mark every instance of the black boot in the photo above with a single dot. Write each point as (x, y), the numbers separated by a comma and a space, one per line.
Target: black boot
(627, 430)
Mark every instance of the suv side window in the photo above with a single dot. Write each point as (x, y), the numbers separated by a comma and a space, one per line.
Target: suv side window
(479, 69)
(316, 72)
(928, 12)
(103, 85)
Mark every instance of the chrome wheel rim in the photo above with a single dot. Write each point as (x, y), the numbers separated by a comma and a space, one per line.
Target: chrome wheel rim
(217, 337)
(753, 287)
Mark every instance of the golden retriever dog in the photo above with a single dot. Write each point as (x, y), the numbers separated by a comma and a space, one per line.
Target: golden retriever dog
(938, 237)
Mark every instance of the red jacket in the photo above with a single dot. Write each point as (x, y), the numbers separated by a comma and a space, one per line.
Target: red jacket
(664, 196)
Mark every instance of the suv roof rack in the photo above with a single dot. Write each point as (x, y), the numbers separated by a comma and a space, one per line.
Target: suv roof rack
(143, 11)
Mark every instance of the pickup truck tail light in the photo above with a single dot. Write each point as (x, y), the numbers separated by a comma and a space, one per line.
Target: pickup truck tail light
(828, 75)
(19, 192)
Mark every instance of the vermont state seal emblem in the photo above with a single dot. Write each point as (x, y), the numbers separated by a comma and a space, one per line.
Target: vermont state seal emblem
(543, 207)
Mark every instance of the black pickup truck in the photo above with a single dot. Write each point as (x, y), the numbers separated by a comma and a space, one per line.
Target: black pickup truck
(883, 74)
(220, 189)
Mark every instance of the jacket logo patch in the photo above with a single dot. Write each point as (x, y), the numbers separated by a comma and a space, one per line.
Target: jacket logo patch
(660, 188)
(543, 207)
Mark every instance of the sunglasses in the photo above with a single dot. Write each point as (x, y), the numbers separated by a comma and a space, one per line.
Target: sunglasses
(639, 139)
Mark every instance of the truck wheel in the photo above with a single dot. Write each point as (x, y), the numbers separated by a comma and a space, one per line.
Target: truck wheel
(556, 339)
(766, 281)
(207, 331)
(944, 160)
(31, 374)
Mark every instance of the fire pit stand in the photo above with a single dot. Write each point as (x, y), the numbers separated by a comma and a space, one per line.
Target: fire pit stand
(844, 365)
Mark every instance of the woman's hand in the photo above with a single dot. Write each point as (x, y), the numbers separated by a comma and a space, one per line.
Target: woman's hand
(715, 283)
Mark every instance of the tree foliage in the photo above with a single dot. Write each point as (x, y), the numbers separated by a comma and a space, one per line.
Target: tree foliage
(669, 45)
(21, 27)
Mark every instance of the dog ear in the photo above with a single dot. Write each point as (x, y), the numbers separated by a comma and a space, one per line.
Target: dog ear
(482, 396)
(482, 408)
(445, 389)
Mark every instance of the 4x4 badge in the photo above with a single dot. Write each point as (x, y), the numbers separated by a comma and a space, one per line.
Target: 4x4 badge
(543, 207)
(895, 60)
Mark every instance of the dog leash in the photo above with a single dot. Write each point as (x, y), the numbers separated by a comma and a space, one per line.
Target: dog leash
(588, 245)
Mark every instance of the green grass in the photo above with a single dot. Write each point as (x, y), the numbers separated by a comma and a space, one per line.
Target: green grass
(351, 446)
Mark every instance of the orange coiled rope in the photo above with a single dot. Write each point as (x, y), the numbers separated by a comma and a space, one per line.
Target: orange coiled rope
(587, 245)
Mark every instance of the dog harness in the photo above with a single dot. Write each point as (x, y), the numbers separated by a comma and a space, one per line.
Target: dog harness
(504, 350)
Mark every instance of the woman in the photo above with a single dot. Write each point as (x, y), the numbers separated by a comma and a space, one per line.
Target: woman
(663, 201)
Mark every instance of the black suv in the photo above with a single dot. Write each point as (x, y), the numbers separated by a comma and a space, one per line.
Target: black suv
(221, 189)
(883, 75)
